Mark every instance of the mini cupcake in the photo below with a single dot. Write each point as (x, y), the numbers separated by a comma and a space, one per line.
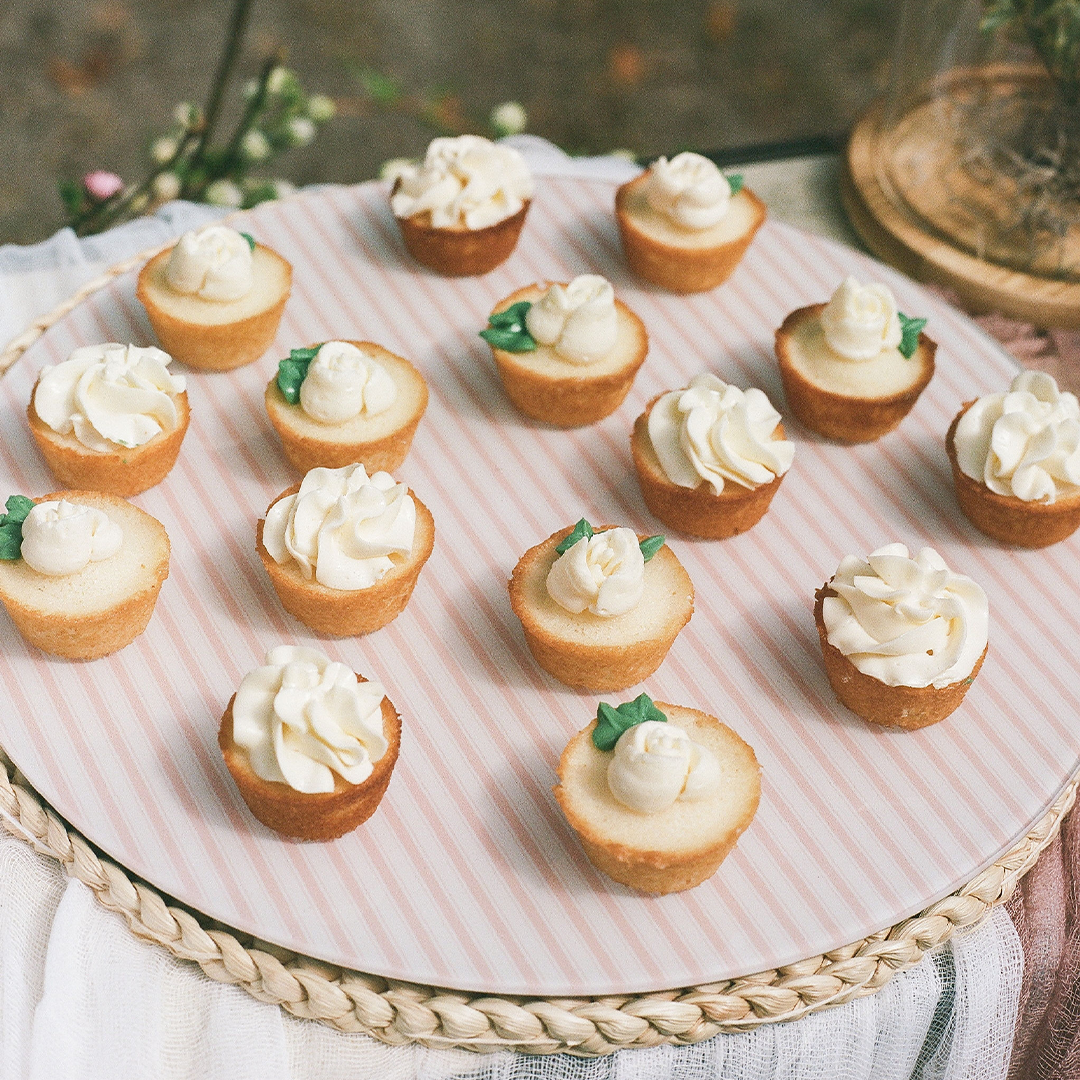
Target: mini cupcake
(853, 368)
(110, 418)
(310, 744)
(1016, 462)
(600, 609)
(343, 550)
(80, 571)
(567, 354)
(710, 457)
(461, 212)
(343, 402)
(658, 794)
(903, 638)
(215, 299)
(684, 225)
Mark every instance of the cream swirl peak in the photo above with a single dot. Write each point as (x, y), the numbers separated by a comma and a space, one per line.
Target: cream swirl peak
(304, 719)
(465, 181)
(1025, 443)
(213, 264)
(578, 320)
(603, 573)
(712, 432)
(655, 764)
(905, 621)
(343, 381)
(61, 537)
(109, 395)
(342, 526)
(689, 189)
(859, 321)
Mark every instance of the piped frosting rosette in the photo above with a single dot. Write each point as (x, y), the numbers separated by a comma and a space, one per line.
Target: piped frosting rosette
(714, 433)
(1024, 443)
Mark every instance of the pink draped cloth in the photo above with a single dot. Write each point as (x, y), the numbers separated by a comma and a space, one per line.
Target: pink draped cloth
(1046, 906)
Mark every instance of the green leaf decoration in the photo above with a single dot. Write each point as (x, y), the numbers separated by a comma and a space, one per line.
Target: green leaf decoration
(611, 722)
(910, 329)
(506, 329)
(11, 523)
(250, 239)
(735, 180)
(293, 371)
(582, 528)
(650, 546)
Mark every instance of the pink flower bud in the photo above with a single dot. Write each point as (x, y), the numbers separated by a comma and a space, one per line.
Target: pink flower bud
(102, 185)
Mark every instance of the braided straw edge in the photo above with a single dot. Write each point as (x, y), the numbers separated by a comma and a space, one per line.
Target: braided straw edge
(398, 1013)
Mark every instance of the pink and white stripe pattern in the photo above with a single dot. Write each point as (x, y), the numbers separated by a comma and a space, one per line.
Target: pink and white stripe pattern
(467, 876)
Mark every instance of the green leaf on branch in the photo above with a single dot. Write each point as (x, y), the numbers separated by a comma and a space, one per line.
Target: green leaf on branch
(581, 530)
(11, 523)
(910, 329)
(250, 240)
(735, 182)
(506, 329)
(613, 721)
(293, 371)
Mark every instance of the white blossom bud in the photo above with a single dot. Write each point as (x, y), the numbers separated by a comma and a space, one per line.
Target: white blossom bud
(509, 118)
(163, 149)
(255, 146)
(223, 193)
(279, 79)
(187, 115)
(166, 186)
(301, 131)
(321, 108)
(283, 188)
(395, 167)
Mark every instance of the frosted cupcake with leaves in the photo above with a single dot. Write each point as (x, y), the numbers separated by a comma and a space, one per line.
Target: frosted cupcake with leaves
(462, 209)
(853, 368)
(215, 299)
(658, 794)
(566, 352)
(344, 402)
(684, 224)
(600, 608)
(80, 571)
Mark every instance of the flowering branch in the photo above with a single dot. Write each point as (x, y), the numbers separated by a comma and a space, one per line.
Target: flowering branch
(278, 114)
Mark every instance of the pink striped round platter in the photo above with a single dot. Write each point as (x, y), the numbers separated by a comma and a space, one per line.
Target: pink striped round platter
(468, 876)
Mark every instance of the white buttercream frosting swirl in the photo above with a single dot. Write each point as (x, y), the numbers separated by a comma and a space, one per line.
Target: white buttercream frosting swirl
(603, 573)
(860, 321)
(213, 264)
(655, 764)
(303, 719)
(905, 621)
(689, 190)
(342, 382)
(712, 432)
(467, 180)
(342, 526)
(1025, 443)
(109, 395)
(578, 320)
(61, 537)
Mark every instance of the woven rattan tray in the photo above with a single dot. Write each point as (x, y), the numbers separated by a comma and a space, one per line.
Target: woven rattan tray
(573, 234)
